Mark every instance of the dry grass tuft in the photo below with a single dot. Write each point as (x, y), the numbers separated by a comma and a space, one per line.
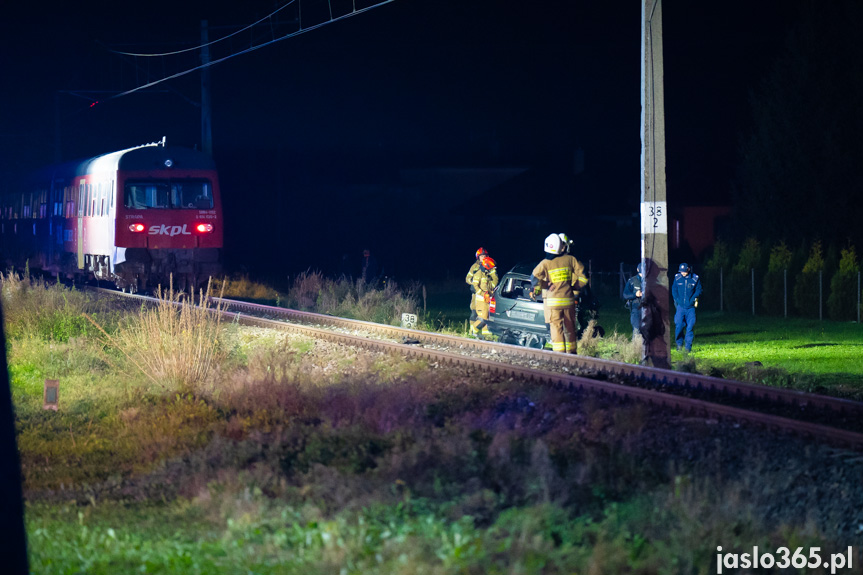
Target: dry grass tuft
(173, 343)
(243, 287)
(588, 344)
(354, 299)
(304, 292)
(624, 349)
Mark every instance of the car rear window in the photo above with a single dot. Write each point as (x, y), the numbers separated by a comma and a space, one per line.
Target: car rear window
(515, 287)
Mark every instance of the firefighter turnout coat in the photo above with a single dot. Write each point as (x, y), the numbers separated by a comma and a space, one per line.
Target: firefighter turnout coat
(562, 276)
(468, 279)
(483, 281)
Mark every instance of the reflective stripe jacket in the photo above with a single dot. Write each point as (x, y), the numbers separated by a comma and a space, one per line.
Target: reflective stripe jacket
(562, 276)
(484, 280)
(469, 277)
(685, 290)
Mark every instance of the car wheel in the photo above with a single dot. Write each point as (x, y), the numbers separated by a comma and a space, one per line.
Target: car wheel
(508, 337)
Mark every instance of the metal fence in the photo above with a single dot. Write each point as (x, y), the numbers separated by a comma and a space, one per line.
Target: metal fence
(762, 292)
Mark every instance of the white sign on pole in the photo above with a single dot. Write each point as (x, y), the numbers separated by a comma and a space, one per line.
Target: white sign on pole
(409, 320)
(653, 218)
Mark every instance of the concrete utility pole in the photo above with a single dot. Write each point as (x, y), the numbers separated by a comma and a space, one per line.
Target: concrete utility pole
(206, 114)
(654, 212)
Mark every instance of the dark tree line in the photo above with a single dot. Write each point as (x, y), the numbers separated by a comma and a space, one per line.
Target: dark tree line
(801, 170)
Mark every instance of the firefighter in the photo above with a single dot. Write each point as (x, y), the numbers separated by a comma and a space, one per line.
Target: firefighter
(567, 245)
(484, 281)
(480, 253)
(685, 292)
(563, 276)
(632, 294)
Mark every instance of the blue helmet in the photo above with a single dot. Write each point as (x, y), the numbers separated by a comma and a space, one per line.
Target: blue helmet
(640, 268)
(684, 268)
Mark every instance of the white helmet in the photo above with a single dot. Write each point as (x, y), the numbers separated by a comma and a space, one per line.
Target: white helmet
(566, 242)
(553, 244)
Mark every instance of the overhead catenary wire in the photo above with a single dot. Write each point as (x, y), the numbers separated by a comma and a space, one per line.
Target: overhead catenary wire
(252, 48)
(183, 51)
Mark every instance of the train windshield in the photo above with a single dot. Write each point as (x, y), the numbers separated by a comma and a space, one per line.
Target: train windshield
(165, 194)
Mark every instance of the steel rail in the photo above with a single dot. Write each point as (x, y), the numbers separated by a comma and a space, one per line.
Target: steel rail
(680, 403)
(603, 367)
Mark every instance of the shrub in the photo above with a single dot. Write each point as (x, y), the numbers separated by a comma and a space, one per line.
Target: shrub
(773, 295)
(717, 266)
(739, 289)
(806, 288)
(842, 303)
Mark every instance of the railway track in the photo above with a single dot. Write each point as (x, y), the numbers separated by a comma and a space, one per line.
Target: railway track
(822, 418)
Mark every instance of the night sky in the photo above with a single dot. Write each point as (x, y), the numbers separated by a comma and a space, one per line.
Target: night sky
(314, 135)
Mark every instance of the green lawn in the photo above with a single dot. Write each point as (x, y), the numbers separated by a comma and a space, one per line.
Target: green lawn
(824, 355)
(808, 354)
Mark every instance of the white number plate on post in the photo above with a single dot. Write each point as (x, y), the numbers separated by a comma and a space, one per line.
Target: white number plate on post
(409, 320)
(653, 218)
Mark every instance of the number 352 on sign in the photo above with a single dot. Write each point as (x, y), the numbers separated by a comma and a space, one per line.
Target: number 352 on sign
(653, 218)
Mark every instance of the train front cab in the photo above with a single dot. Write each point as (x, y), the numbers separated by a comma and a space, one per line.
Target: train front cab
(168, 224)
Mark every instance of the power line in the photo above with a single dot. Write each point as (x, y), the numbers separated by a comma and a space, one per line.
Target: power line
(253, 48)
(270, 15)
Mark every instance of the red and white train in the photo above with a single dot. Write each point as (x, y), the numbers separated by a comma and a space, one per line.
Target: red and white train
(133, 217)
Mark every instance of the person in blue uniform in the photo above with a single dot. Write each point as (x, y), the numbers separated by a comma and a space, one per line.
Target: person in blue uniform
(685, 292)
(632, 294)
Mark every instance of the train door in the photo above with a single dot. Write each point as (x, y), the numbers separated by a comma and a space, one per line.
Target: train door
(80, 242)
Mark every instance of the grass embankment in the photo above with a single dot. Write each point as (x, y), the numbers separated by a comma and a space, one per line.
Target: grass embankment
(273, 454)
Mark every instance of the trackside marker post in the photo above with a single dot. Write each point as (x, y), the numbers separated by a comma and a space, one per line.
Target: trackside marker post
(51, 394)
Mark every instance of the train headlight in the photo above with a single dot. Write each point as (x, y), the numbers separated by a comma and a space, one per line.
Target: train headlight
(169, 162)
(204, 228)
(136, 228)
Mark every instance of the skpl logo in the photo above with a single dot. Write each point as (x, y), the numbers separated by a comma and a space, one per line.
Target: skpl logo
(165, 230)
